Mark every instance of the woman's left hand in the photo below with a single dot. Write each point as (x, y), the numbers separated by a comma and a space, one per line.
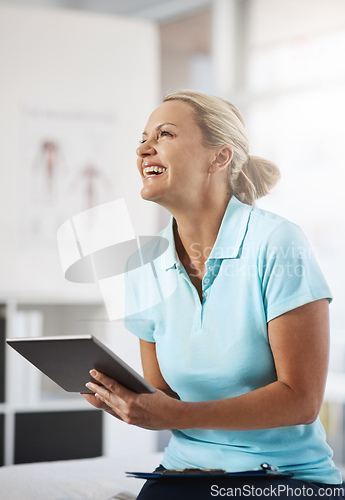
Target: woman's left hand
(154, 411)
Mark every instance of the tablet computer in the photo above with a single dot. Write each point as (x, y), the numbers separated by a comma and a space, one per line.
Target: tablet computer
(68, 360)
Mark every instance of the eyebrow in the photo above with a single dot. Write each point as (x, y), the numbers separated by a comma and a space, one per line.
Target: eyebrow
(160, 126)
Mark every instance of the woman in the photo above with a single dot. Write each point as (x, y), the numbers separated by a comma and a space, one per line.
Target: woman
(239, 350)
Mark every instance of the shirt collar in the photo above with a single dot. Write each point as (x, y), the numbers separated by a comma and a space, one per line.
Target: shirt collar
(232, 230)
(229, 240)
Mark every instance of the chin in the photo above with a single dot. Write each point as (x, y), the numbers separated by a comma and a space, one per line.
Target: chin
(147, 196)
(155, 198)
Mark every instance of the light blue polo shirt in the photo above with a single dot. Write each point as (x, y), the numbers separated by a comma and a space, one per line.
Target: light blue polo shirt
(260, 267)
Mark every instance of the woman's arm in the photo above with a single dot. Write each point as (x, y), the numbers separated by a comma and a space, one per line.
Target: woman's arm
(299, 341)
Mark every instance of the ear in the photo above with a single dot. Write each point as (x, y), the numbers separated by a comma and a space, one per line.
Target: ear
(223, 157)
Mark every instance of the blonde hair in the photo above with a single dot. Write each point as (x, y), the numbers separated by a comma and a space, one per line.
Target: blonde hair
(249, 177)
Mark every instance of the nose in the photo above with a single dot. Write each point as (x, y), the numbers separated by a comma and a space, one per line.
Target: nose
(145, 149)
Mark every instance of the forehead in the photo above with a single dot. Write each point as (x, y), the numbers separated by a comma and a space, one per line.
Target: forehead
(176, 112)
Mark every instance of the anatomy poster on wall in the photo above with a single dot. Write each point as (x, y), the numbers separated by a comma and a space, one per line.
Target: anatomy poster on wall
(68, 166)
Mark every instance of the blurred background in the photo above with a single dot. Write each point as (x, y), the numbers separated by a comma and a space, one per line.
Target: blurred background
(78, 81)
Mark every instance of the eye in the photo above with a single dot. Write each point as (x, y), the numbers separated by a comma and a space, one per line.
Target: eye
(142, 141)
(164, 133)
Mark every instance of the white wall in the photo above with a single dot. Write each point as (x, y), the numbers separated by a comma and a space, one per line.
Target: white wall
(65, 59)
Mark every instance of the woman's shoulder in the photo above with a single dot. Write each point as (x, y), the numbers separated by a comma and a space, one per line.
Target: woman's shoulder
(269, 218)
(271, 227)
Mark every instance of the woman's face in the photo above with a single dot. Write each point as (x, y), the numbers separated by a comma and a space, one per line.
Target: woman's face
(173, 160)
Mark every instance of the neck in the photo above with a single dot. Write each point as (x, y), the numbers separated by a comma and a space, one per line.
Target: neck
(197, 227)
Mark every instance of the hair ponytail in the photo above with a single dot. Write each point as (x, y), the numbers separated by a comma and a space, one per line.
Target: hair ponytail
(250, 177)
(254, 179)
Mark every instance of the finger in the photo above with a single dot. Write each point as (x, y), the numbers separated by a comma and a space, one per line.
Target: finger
(119, 405)
(98, 391)
(110, 384)
(96, 402)
(105, 397)
(105, 400)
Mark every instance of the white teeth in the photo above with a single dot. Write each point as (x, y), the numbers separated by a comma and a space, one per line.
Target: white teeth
(155, 168)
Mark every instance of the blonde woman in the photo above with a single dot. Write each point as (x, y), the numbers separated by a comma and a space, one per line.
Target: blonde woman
(239, 352)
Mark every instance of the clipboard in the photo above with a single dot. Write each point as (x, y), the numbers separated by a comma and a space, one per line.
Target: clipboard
(265, 470)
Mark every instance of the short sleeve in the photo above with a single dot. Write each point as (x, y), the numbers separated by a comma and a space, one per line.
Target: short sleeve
(136, 319)
(290, 274)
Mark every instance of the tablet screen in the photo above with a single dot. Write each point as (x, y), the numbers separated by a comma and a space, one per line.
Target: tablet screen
(68, 360)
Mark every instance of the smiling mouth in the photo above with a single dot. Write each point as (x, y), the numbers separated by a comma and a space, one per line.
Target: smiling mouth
(153, 171)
